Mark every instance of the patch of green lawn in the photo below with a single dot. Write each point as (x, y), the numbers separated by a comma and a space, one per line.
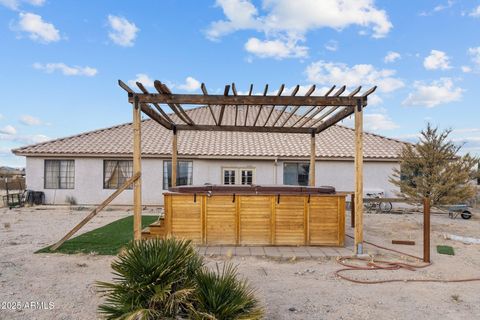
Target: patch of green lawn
(106, 240)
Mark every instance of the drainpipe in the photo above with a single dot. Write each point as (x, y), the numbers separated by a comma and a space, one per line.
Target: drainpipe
(275, 164)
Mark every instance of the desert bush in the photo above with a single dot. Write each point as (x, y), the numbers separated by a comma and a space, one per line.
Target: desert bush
(166, 279)
(153, 279)
(220, 295)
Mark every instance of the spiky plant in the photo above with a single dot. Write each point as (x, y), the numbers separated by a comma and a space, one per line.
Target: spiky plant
(153, 280)
(221, 296)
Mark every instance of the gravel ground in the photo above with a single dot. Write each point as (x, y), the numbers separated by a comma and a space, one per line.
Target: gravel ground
(63, 286)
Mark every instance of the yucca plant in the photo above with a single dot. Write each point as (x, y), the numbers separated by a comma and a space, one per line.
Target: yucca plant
(153, 280)
(221, 295)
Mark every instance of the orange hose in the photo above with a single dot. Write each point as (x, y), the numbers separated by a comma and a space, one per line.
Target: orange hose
(372, 264)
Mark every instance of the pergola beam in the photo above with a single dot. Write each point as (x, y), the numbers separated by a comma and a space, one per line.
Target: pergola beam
(205, 92)
(244, 100)
(206, 127)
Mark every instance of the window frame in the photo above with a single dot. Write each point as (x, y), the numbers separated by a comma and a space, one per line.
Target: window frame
(238, 175)
(59, 186)
(118, 184)
(285, 163)
(167, 181)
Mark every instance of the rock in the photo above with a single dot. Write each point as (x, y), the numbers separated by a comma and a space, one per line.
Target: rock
(292, 309)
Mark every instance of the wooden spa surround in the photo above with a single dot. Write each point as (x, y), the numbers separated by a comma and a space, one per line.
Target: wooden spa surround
(253, 215)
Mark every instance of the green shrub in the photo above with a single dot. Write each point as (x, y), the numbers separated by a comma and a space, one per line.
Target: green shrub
(220, 295)
(153, 279)
(159, 279)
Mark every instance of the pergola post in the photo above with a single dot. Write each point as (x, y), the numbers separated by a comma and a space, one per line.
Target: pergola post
(359, 177)
(311, 173)
(137, 169)
(174, 157)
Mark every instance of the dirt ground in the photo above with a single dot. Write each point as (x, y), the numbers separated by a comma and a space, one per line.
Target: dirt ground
(63, 286)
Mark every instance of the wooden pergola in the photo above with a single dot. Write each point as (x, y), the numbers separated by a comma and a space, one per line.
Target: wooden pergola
(307, 114)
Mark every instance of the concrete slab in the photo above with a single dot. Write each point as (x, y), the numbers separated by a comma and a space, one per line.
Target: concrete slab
(272, 252)
(242, 251)
(330, 252)
(301, 252)
(286, 252)
(257, 251)
(213, 251)
(316, 252)
(228, 251)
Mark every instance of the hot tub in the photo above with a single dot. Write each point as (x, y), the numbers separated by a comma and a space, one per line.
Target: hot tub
(254, 215)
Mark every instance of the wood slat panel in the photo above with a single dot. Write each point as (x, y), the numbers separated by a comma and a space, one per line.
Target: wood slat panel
(186, 217)
(289, 220)
(255, 213)
(220, 220)
(324, 220)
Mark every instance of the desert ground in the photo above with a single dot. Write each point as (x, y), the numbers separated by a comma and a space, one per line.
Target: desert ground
(289, 289)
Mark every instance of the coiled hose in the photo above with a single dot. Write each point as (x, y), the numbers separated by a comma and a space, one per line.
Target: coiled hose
(372, 264)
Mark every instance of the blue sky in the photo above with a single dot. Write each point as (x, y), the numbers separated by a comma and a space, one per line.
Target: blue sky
(61, 59)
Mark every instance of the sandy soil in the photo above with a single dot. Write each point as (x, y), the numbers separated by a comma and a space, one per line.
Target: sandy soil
(65, 283)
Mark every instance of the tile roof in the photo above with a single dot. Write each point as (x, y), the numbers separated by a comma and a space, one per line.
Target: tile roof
(335, 142)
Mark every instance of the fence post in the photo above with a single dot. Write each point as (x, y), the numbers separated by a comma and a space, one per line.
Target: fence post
(426, 229)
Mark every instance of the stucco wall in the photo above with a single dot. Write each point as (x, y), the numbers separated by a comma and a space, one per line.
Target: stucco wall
(89, 178)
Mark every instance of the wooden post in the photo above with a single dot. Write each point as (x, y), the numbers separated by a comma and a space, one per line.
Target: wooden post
(95, 211)
(311, 173)
(426, 229)
(359, 178)
(352, 210)
(137, 169)
(174, 158)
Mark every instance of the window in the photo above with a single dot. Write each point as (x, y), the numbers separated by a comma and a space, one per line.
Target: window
(116, 172)
(295, 173)
(59, 174)
(184, 173)
(228, 176)
(245, 176)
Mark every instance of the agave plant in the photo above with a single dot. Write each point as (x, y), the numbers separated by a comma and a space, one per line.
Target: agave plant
(153, 280)
(221, 295)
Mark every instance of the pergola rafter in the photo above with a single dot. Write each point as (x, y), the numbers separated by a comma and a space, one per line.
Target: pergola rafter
(309, 114)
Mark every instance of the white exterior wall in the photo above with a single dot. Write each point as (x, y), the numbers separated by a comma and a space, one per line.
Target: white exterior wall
(89, 178)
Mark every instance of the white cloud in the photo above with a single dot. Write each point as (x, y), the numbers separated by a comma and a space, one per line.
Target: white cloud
(466, 69)
(143, 78)
(65, 69)
(37, 29)
(375, 122)
(277, 49)
(475, 12)
(331, 45)
(15, 4)
(9, 130)
(191, 84)
(445, 6)
(30, 120)
(299, 16)
(1, 116)
(474, 53)
(430, 95)
(333, 73)
(23, 139)
(292, 20)
(378, 122)
(437, 60)
(392, 56)
(123, 32)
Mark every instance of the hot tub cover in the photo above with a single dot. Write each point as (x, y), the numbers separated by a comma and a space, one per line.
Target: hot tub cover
(253, 189)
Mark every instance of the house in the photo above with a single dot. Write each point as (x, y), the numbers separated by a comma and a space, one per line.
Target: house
(90, 165)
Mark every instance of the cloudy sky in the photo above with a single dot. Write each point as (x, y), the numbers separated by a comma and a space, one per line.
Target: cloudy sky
(60, 60)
